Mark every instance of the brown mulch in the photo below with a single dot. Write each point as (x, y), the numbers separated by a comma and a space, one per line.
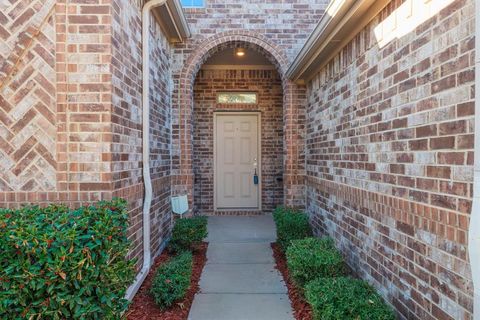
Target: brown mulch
(143, 307)
(301, 309)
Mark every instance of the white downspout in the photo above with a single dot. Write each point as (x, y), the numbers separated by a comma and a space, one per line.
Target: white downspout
(474, 227)
(147, 255)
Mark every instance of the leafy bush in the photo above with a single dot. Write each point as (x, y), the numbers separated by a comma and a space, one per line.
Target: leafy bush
(188, 232)
(172, 280)
(57, 263)
(291, 225)
(345, 298)
(311, 258)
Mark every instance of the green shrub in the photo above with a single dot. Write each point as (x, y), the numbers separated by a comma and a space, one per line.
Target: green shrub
(57, 263)
(172, 280)
(312, 258)
(187, 232)
(345, 298)
(279, 211)
(291, 225)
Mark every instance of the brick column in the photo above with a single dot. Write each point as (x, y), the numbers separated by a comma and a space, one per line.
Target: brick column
(88, 100)
(294, 145)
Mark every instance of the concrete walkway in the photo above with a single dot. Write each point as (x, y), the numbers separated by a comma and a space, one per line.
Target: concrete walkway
(239, 281)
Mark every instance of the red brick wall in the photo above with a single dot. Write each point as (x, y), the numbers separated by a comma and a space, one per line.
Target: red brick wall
(127, 115)
(389, 159)
(280, 29)
(268, 86)
(127, 160)
(287, 23)
(160, 136)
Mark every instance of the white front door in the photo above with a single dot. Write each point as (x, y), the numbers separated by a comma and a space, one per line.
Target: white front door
(236, 158)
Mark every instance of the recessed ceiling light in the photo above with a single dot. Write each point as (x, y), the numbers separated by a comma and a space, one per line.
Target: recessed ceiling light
(240, 52)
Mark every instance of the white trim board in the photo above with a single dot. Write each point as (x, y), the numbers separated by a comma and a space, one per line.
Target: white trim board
(237, 67)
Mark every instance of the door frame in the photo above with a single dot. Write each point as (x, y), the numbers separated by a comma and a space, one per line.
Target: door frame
(258, 114)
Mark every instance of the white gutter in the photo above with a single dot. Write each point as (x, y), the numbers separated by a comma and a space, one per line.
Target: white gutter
(474, 227)
(147, 181)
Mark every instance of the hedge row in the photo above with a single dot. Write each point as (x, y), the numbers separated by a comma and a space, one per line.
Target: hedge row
(172, 279)
(58, 263)
(187, 233)
(291, 225)
(346, 298)
(318, 269)
(311, 258)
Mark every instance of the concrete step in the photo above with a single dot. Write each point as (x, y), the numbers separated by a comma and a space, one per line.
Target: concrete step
(239, 253)
(241, 307)
(241, 229)
(241, 278)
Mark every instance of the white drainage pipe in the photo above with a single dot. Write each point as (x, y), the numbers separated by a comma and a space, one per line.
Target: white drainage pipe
(147, 181)
(474, 227)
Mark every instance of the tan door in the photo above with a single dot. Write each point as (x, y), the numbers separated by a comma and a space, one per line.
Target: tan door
(236, 158)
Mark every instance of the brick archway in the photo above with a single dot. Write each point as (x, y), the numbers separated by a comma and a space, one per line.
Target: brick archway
(293, 113)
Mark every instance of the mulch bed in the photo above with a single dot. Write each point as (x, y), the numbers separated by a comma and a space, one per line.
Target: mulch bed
(143, 307)
(301, 309)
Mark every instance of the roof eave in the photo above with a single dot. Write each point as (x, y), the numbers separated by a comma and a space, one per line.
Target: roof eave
(343, 19)
(171, 19)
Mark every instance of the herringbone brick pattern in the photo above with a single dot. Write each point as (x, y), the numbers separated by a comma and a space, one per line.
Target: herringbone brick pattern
(27, 96)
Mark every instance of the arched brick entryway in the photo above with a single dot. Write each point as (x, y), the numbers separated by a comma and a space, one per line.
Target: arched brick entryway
(293, 113)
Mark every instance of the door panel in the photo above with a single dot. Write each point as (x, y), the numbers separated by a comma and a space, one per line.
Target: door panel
(236, 156)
